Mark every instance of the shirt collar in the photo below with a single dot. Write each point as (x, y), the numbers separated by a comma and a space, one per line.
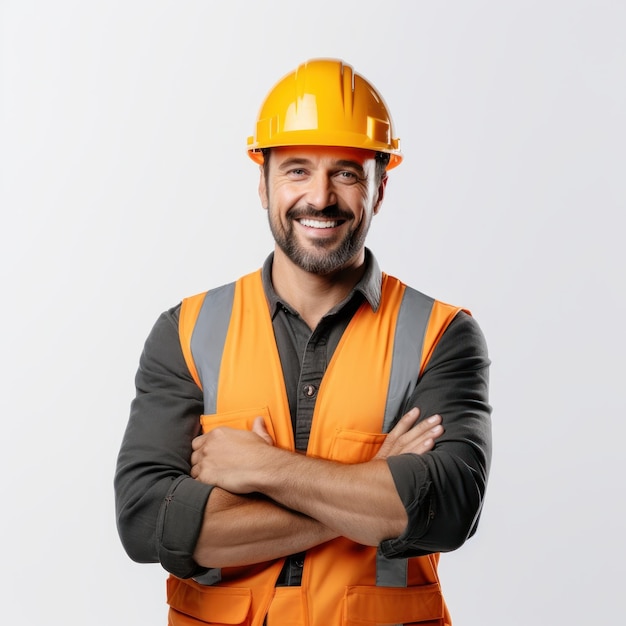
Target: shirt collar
(369, 286)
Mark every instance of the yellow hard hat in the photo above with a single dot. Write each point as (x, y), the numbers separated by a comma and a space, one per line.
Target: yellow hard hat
(325, 103)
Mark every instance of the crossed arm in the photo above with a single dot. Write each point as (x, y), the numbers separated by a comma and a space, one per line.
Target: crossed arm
(166, 516)
(268, 502)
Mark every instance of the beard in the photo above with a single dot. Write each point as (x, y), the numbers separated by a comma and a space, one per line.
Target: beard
(326, 255)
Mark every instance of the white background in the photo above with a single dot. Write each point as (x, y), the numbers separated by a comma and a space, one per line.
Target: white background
(125, 186)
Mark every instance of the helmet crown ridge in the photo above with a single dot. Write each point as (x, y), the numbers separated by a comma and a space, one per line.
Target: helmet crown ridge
(324, 103)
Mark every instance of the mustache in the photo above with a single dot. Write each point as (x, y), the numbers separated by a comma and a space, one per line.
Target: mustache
(331, 212)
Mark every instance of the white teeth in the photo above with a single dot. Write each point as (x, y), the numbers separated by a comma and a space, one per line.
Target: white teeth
(318, 224)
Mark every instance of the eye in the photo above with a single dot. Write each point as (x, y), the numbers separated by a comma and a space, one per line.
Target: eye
(347, 177)
(296, 172)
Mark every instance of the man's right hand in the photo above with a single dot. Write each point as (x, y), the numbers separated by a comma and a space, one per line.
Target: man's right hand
(409, 435)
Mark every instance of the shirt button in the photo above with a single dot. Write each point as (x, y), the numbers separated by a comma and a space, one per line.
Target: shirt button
(309, 390)
(299, 563)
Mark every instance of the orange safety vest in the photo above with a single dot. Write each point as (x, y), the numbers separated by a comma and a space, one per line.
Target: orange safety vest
(228, 342)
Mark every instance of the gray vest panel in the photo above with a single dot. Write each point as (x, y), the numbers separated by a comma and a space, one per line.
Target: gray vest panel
(208, 339)
(407, 353)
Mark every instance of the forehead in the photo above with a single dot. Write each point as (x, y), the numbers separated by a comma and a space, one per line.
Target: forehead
(322, 154)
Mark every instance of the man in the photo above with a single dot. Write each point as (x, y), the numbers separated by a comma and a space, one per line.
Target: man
(306, 440)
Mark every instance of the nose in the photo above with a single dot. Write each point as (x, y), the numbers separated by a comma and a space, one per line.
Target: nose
(320, 192)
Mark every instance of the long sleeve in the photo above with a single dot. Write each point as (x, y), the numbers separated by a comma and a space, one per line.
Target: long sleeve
(159, 507)
(443, 490)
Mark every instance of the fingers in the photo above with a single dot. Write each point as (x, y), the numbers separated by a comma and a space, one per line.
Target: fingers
(432, 429)
(196, 457)
(409, 423)
(409, 419)
(433, 423)
(405, 423)
(412, 436)
(224, 439)
(429, 428)
(422, 438)
(258, 427)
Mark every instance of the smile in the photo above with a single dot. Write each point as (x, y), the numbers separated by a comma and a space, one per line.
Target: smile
(319, 223)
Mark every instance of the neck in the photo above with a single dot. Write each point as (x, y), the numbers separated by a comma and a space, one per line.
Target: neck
(313, 295)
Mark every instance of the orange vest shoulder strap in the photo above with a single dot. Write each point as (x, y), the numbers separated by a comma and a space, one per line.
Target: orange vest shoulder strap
(440, 317)
(189, 311)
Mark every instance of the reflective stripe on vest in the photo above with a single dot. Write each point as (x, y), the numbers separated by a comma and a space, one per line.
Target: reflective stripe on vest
(228, 343)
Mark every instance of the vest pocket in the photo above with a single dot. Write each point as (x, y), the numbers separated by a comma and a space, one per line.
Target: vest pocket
(240, 419)
(386, 605)
(353, 446)
(218, 606)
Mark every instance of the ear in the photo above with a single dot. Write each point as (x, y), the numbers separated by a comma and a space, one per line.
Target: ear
(381, 193)
(263, 189)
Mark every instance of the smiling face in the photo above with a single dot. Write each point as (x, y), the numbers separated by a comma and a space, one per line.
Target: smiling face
(320, 204)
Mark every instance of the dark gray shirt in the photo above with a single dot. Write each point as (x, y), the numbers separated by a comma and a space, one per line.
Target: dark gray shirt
(160, 508)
